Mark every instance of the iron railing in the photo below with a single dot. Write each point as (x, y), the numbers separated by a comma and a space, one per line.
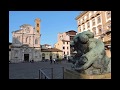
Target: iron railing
(43, 75)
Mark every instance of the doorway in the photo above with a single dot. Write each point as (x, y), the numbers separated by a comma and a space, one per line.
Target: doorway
(57, 57)
(26, 57)
(50, 57)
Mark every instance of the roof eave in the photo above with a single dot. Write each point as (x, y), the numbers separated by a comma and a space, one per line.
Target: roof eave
(81, 15)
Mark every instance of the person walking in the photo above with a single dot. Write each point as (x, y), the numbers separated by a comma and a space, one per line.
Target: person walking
(50, 61)
(54, 60)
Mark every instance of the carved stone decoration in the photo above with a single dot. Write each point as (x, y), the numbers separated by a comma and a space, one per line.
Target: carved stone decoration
(91, 56)
(26, 51)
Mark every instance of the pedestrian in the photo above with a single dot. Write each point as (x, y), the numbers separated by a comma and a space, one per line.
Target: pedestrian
(50, 61)
(54, 60)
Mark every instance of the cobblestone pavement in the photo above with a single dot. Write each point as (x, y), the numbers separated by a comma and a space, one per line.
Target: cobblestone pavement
(31, 70)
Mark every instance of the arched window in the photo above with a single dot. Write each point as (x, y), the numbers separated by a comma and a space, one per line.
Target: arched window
(36, 41)
(43, 55)
(57, 56)
(29, 39)
(26, 39)
(50, 54)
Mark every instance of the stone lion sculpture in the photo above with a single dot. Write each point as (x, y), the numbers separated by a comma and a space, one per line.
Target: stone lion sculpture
(91, 56)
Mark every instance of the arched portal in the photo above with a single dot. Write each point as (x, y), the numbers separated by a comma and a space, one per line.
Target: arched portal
(43, 56)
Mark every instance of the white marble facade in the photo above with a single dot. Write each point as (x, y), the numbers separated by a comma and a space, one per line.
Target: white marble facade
(25, 44)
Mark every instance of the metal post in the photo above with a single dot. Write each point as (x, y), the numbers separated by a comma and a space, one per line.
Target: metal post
(39, 74)
(63, 72)
(52, 72)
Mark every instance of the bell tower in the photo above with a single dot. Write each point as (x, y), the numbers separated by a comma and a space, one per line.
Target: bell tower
(37, 25)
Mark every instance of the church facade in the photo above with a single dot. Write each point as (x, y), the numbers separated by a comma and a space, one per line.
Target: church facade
(26, 43)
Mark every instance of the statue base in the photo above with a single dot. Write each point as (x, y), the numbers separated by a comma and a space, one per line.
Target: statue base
(71, 74)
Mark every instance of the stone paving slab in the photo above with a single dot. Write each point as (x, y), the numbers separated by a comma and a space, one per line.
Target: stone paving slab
(31, 70)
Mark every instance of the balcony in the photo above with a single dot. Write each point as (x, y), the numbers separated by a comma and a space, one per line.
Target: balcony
(87, 19)
(92, 16)
(97, 13)
(83, 21)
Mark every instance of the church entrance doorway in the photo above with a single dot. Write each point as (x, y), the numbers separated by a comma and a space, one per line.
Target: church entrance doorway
(26, 57)
(50, 57)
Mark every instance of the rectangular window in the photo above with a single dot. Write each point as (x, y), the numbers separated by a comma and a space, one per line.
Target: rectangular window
(108, 14)
(94, 30)
(67, 53)
(64, 53)
(109, 26)
(84, 27)
(80, 29)
(93, 22)
(63, 47)
(67, 42)
(63, 42)
(83, 19)
(98, 19)
(67, 47)
(100, 31)
(88, 24)
(71, 38)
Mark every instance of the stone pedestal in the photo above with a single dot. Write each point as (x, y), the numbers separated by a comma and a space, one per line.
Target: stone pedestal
(71, 74)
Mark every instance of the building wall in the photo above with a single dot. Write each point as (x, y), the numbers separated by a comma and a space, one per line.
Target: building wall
(64, 41)
(83, 20)
(26, 41)
(54, 55)
(63, 36)
(102, 24)
(59, 45)
(66, 50)
(23, 37)
(64, 46)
